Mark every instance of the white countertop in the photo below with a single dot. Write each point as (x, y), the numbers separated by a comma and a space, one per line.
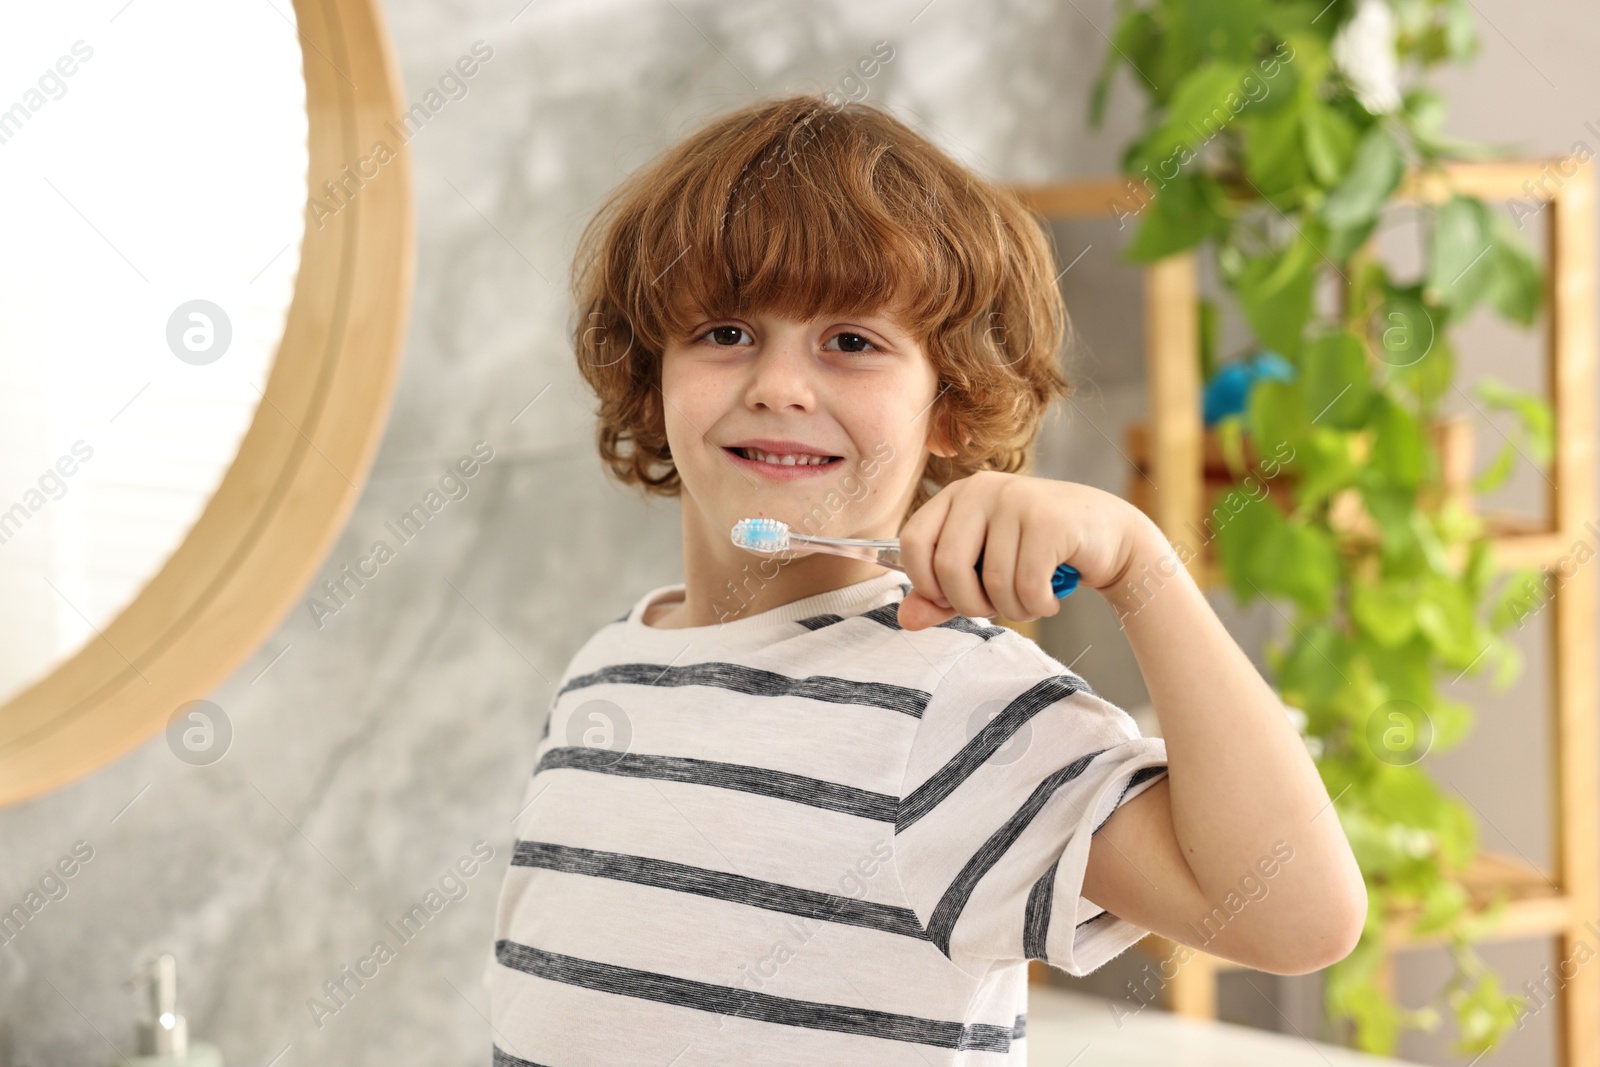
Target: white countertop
(1063, 1025)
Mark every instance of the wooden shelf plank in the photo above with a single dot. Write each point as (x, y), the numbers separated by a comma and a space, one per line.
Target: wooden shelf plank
(1519, 540)
(1108, 196)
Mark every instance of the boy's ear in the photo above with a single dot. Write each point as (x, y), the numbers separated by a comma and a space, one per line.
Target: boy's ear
(940, 437)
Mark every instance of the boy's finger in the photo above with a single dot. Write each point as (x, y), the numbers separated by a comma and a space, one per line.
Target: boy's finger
(955, 558)
(917, 612)
(917, 538)
(1036, 566)
(1001, 545)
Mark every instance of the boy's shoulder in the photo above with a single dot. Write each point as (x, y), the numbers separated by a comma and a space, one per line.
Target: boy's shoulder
(1003, 659)
(954, 659)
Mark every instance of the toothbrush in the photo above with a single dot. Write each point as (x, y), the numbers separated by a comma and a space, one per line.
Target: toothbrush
(772, 536)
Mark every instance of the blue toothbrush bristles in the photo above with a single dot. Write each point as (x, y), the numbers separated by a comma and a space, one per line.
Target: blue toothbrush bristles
(761, 535)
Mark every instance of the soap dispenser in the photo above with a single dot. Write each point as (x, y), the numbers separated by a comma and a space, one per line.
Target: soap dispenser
(164, 1037)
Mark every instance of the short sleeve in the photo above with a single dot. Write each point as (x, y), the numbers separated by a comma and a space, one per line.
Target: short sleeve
(1016, 763)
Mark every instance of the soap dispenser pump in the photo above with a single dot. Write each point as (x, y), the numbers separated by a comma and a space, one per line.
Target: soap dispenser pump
(164, 1037)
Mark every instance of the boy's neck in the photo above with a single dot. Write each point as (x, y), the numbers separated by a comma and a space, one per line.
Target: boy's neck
(712, 597)
(725, 584)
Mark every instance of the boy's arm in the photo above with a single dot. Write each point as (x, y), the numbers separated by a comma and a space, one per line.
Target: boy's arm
(1199, 857)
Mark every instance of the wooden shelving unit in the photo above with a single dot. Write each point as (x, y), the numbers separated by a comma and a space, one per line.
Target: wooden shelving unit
(1542, 903)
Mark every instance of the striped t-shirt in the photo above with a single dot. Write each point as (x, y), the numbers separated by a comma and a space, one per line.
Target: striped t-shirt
(806, 836)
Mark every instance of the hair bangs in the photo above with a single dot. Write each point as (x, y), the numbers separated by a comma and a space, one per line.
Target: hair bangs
(795, 234)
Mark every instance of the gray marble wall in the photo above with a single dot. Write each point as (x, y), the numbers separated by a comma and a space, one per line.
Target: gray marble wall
(378, 744)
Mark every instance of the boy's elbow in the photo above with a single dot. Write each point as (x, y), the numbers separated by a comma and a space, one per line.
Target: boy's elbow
(1325, 939)
(1315, 951)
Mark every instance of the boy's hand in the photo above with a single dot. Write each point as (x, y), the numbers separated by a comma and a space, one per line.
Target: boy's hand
(1025, 527)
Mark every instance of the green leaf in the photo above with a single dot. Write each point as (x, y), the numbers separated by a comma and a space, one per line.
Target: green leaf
(1460, 30)
(1108, 66)
(1405, 795)
(1391, 507)
(1285, 70)
(1203, 104)
(1431, 375)
(1242, 541)
(1312, 667)
(1446, 617)
(1276, 414)
(1275, 158)
(1296, 18)
(1457, 523)
(1305, 566)
(1181, 217)
(1458, 832)
(1230, 434)
(1445, 901)
(1425, 110)
(1524, 593)
(1354, 203)
(1307, 57)
(1275, 295)
(1402, 329)
(1428, 540)
(1262, 554)
(1485, 1014)
(1537, 420)
(1227, 28)
(1330, 141)
(1462, 240)
(1208, 321)
(1480, 568)
(1403, 671)
(1399, 447)
(1516, 283)
(1386, 610)
(1497, 471)
(1324, 464)
(1133, 42)
(1338, 381)
(1376, 1017)
(1510, 658)
(1378, 850)
(1517, 286)
(1452, 719)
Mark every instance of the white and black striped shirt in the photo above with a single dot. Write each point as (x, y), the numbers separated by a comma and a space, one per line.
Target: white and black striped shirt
(806, 836)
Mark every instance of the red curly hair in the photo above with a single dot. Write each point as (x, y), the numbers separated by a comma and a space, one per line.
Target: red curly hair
(796, 206)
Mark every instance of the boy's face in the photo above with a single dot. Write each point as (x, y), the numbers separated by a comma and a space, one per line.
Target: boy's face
(860, 389)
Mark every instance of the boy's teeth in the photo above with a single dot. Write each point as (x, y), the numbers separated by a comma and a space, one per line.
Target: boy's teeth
(786, 461)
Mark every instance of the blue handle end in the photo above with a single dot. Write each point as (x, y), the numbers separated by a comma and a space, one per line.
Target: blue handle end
(1062, 582)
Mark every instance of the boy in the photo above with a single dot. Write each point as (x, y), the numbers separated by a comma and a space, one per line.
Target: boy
(804, 809)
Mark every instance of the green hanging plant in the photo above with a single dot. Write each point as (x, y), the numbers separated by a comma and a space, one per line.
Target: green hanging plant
(1276, 133)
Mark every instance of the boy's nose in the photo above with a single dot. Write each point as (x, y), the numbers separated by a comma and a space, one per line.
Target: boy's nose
(781, 376)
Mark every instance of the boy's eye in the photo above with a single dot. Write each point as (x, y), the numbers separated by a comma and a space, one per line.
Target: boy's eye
(724, 331)
(859, 345)
(854, 337)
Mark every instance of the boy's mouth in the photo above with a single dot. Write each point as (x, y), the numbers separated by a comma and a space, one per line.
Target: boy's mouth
(784, 460)
(787, 465)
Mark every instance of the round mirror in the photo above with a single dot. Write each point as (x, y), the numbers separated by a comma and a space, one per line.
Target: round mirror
(201, 313)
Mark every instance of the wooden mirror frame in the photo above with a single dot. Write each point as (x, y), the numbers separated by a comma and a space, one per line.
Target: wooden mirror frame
(290, 490)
